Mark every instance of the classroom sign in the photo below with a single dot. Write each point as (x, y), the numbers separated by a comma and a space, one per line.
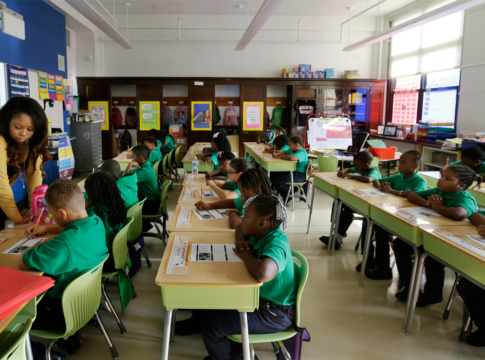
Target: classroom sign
(59, 89)
(66, 158)
(202, 115)
(19, 81)
(99, 112)
(43, 87)
(253, 116)
(51, 82)
(149, 115)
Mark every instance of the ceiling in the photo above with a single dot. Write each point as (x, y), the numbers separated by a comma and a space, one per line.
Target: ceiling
(228, 7)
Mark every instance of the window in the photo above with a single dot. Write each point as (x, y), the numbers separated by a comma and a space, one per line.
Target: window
(405, 100)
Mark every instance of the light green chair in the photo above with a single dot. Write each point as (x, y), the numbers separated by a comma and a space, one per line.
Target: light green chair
(301, 275)
(165, 170)
(136, 227)
(155, 167)
(162, 213)
(327, 163)
(80, 302)
(175, 164)
(375, 162)
(300, 187)
(120, 255)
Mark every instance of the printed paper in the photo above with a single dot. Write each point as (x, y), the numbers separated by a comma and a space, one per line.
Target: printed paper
(214, 253)
(421, 212)
(177, 263)
(190, 179)
(23, 245)
(210, 214)
(373, 192)
(185, 218)
(479, 250)
(5, 236)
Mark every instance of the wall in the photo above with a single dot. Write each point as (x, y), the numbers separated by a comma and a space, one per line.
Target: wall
(207, 47)
(72, 61)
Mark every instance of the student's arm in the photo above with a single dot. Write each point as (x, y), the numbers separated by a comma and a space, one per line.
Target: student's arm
(242, 241)
(482, 176)
(364, 179)
(132, 165)
(214, 174)
(343, 173)
(204, 158)
(42, 230)
(40, 257)
(477, 219)
(234, 220)
(223, 204)
(277, 155)
(418, 200)
(263, 270)
(457, 213)
(220, 192)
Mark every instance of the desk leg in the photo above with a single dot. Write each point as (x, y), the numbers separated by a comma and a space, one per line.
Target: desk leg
(333, 219)
(28, 348)
(245, 335)
(269, 174)
(368, 239)
(292, 192)
(333, 239)
(311, 209)
(414, 287)
(166, 334)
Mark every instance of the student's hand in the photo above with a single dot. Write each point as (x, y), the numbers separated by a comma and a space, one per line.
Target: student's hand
(385, 186)
(243, 251)
(132, 165)
(208, 176)
(481, 230)
(41, 230)
(276, 156)
(211, 183)
(340, 174)
(227, 212)
(436, 201)
(200, 205)
(26, 217)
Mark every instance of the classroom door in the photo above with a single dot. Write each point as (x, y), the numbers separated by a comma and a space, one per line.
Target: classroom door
(256, 93)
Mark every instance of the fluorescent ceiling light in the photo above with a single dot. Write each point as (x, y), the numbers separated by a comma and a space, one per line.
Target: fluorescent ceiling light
(443, 11)
(264, 13)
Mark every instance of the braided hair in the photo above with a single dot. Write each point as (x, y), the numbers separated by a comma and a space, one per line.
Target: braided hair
(102, 190)
(474, 153)
(257, 180)
(226, 156)
(240, 164)
(415, 154)
(465, 175)
(269, 206)
(221, 141)
(280, 141)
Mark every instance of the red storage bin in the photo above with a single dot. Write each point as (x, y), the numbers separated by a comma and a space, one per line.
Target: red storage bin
(384, 154)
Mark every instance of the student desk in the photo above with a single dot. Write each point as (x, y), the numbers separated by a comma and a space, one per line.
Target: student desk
(196, 198)
(123, 160)
(452, 255)
(196, 225)
(478, 194)
(191, 156)
(431, 177)
(209, 286)
(270, 164)
(200, 180)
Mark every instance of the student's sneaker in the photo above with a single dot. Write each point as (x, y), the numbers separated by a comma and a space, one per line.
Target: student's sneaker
(326, 240)
(371, 264)
(188, 327)
(379, 274)
(403, 293)
(424, 300)
(476, 338)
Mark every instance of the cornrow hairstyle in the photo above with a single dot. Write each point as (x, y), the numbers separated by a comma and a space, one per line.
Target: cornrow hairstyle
(222, 143)
(280, 129)
(271, 207)
(257, 180)
(102, 190)
(240, 164)
(226, 156)
(141, 150)
(474, 153)
(150, 141)
(465, 175)
(364, 156)
(280, 141)
(296, 140)
(416, 155)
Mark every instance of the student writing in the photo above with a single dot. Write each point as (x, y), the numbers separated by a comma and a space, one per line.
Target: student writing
(236, 168)
(219, 143)
(155, 155)
(224, 160)
(280, 143)
(278, 132)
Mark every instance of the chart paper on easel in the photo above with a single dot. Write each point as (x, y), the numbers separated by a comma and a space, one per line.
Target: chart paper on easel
(328, 133)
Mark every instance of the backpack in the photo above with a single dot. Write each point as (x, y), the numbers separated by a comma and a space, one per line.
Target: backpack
(166, 115)
(268, 121)
(277, 115)
(180, 116)
(286, 118)
(125, 140)
(130, 117)
(217, 116)
(294, 344)
(117, 117)
(230, 117)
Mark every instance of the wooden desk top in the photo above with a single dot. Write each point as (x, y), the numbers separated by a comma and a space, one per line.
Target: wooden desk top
(268, 157)
(122, 157)
(192, 200)
(354, 187)
(198, 181)
(333, 179)
(206, 273)
(196, 225)
(202, 144)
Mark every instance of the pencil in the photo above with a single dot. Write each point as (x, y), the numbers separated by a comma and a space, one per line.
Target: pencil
(200, 193)
(37, 223)
(447, 160)
(342, 166)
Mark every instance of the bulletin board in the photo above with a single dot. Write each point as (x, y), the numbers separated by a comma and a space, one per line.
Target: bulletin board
(149, 115)
(201, 115)
(253, 116)
(99, 111)
(66, 158)
(329, 133)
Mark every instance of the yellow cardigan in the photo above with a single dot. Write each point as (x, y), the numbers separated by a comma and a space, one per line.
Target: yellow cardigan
(34, 179)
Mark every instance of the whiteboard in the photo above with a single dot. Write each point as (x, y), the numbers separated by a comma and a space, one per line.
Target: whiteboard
(329, 133)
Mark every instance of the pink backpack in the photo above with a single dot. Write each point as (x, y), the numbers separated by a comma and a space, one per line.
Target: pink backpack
(230, 117)
(117, 117)
(180, 116)
(166, 115)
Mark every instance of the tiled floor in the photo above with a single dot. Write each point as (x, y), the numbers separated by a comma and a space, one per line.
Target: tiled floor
(345, 321)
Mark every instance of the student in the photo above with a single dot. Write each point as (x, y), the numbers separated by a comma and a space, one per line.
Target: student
(219, 144)
(295, 153)
(236, 168)
(147, 182)
(224, 161)
(450, 200)
(127, 184)
(251, 182)
(363, 172)
(474, 296)
(156, 134)
(105, 201)
(79, 247)
(155, 155)
(278, 132)
(474, 158)
(280, 143)
(402, 184)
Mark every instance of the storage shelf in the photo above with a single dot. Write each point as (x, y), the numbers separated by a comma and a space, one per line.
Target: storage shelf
(445, 151)
(434, 165)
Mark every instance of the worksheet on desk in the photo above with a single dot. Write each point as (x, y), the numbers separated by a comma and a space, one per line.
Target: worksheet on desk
(373, 192)
(421, 211)
(6, 236)
(23, 245)
(210, 214)
(214, 253)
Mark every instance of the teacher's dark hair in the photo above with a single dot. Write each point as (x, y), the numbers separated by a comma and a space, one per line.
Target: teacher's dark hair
(38, 142)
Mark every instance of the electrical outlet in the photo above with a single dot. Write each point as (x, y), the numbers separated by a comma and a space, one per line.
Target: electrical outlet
(68, 120)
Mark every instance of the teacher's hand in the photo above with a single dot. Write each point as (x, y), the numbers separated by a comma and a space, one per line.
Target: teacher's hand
(26, 217)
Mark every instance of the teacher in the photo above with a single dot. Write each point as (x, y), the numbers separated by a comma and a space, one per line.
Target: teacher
(23, 148)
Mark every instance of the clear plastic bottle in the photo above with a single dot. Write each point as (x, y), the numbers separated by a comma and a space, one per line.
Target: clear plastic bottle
(195, 167)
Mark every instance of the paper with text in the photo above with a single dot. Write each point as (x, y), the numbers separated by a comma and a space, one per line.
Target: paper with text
(214, 253)
(185, 218)
(210, 214)
(177, 263)
(23, 245)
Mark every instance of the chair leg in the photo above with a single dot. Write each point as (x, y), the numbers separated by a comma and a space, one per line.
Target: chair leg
(48, 349)
(251, 349)
(161, 236)
(358, 243)
(172, 328)
(287, 195)
(114, 352)
(112, 309)
(135, 295)
(146, 257)
(283, 349)
(276, 347)
(453, 294)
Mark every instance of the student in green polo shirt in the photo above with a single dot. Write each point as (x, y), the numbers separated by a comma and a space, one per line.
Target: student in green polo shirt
(363, 172)
(127, 184)
(79, 247)
(155, 156)
(219, 144)
(147, 182)
(278, 132)
(474, 158)
(450, 200)
(224, 162)
(106, 202)
(280, 143)
(236, 168)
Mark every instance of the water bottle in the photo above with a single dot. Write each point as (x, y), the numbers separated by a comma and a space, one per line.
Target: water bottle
(195, 167)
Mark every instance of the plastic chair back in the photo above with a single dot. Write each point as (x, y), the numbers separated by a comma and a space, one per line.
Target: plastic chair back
(375, 162)
(327, 163)
(301, 276)
(137, 225)
(12, 342)
(164, 196)
(170, 154)
(155, 166)
(177, 152)
(120, 244)
(165, 164)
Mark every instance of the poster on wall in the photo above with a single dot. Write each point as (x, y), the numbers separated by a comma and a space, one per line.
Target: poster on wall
(43, 86)
(68, 102)
(59, 88)
(19, 81)
(149, 115)
(253, 116)
(66, 158)
(51, 82)
(100, 112)
(202, 115)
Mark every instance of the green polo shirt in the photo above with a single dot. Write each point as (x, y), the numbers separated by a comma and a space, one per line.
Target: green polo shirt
(375, 173)
(414, 183)
(238, 204)
(155, 156)
(479, 170)
(302, 156)
(460, 198)
(128, 189)
(159, 146)
(215, 159)
(170, 143)
(271, 141)
(233, 187)
(285, 148)
(281, 290)
(147, 182)
(102, 212)
(79, 247)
